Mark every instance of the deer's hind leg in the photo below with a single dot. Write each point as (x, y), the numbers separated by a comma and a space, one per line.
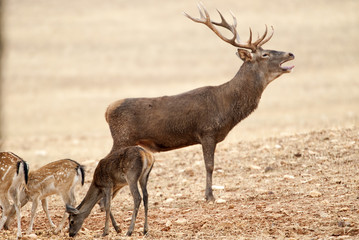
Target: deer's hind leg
(113, 220)
(143, 184)
(5, 204)
(132, 182)
(107, 205)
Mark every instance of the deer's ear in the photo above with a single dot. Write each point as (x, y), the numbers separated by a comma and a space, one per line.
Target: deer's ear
(244, 55)
(72, 210)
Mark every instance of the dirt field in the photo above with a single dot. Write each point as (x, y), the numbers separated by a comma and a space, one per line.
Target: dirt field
(304, 186)
(289, 171)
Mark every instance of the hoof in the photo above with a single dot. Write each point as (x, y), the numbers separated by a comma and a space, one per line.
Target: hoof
(210, 198)
(117, 229)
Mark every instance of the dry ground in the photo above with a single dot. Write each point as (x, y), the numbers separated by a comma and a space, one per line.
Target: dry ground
(303, 186)
(288, 171)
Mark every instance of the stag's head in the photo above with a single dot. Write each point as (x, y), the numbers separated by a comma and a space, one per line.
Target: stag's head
(266, 62)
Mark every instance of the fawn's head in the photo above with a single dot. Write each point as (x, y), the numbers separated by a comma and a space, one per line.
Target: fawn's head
(76, 220)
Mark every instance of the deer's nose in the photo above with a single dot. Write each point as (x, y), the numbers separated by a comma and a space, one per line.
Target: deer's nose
(291, 55)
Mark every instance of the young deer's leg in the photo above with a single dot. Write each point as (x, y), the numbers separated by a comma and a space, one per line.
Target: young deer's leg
(136, 202)
(17, 206)
(5, 204)
(113, 221)
(46, 210)
(69, 199)
(208, 148)
(143, 184)
(107, 205)
(35, 202)
(24, 199)
(15, 196)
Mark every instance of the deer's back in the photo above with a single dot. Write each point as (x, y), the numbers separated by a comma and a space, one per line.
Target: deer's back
(112, 170)
(61, 174)
(8, 170)
(168, 122)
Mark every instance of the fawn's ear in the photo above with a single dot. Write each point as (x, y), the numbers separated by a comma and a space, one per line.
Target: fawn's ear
(244, 55)
(72, 210)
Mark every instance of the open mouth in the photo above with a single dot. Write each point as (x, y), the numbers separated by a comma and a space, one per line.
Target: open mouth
(287, 68)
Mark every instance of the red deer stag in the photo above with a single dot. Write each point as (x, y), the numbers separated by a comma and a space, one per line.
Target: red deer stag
(126, 166)
(13, 178)
(204, 115)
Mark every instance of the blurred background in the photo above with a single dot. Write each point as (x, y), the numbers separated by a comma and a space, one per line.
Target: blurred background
(65, 61)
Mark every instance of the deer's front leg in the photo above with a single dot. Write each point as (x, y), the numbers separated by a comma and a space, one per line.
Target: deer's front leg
(208, 148)
(45, 208)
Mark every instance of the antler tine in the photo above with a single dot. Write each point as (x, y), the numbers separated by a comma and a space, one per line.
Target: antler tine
(223, 22)
(235, 25)
(205, 12)
(259, 40)
(250, 35)
(202, 18)
(234, 18)
(267, 39)
(205, 19)
(200, 10)
(228, 26)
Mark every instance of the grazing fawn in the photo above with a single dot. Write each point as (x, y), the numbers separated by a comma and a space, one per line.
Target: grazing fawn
(13, 177)
(203, 115)
(59, 177)
(126, 166)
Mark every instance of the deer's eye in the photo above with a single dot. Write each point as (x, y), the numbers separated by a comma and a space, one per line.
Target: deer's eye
(265, 55)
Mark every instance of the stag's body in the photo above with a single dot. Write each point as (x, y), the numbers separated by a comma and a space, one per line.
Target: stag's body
(201, 116)
(58, 177)
(126, 166)
(185, 119)
(13, 177)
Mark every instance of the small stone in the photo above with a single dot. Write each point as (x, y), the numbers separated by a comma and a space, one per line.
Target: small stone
(337, 180)
(219, 170)
(288, 177)
(315, 193)
(220, 200)
(168, 200)
(215, 187)
(181, 221)
(32, 236)
(255, 167)
(168, 223)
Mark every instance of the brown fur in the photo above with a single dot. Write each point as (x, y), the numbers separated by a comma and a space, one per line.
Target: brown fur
(126, 166)
(58, 177)
(13, 177)
(201, 116)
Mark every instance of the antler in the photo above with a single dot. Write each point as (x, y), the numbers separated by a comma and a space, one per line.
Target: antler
(205, 19)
